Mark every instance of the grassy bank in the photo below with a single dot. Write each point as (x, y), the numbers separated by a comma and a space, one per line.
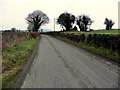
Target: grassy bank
(100, 51)
(114, 32)
(14, 60)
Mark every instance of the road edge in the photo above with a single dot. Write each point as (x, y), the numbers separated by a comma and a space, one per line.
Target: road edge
(88, 51)
(27, 67)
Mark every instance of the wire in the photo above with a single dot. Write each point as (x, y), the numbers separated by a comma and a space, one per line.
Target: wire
(73, 2)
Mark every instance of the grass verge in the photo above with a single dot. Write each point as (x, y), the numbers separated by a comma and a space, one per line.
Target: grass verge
(14, 60)
(98, 50)
(113, 32)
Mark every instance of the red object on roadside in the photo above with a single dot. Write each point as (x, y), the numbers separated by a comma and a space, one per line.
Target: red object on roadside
(34, 34)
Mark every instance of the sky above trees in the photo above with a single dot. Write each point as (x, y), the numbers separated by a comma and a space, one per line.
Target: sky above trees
(14, 12)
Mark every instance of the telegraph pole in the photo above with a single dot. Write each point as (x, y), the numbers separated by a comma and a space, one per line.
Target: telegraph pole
(54, 24)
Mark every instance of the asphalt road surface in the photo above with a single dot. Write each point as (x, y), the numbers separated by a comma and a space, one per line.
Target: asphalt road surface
(62, 65)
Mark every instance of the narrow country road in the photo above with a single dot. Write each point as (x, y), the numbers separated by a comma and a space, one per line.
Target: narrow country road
(62, 65)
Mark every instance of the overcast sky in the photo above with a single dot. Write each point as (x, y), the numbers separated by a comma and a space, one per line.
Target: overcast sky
(14, 12)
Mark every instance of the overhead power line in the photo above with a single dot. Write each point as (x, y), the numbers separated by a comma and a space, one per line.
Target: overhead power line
(73, 2)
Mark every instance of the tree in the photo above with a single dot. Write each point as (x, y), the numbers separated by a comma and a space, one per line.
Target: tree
(36, 19)
(74, 28)
(29, 28)
(109, 23)
(66, 20)
(83, 22)
(13, 29)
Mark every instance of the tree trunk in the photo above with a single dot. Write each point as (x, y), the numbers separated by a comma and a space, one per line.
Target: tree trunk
(85, 29)
(67, 28)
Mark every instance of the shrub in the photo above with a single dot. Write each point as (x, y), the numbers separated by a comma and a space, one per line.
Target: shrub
(111, 42)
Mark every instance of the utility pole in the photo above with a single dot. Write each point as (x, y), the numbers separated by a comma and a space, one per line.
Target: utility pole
(54, 24)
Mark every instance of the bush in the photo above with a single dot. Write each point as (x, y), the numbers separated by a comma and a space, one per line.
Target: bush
(12, 38)
(111, 42)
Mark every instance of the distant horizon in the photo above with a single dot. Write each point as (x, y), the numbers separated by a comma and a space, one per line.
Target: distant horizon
(58, 30)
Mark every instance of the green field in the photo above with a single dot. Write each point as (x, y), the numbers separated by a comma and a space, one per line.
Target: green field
(115, 31)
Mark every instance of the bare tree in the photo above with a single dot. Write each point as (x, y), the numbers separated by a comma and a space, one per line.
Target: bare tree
(36, 20)
(30, 27)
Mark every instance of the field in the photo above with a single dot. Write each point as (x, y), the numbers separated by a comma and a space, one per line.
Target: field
(114, 32)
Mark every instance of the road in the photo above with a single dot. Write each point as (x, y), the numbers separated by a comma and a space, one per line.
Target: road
(62, 65)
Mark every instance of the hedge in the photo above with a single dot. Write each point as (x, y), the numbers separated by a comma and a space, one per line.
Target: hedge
(12, 38)
(111, 42)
